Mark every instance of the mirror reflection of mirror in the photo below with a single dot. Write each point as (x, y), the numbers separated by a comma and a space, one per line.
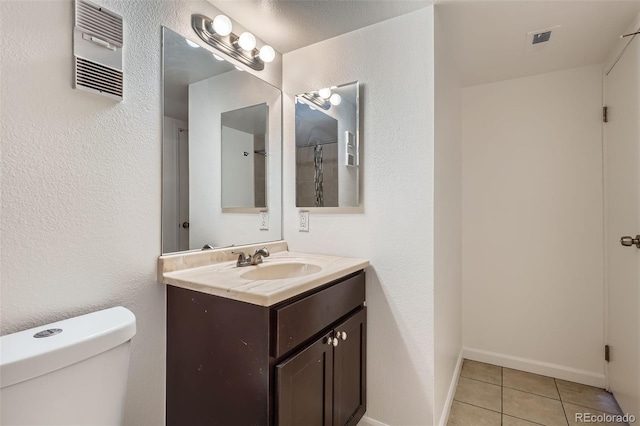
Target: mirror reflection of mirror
(244, 142)
(327, 147)
(204, 95)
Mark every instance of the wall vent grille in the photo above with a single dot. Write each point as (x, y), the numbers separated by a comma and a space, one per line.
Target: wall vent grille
(99, 79)
(96, 21)
(97, 50)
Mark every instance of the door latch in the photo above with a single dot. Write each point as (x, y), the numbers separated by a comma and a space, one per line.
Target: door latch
(630, 241)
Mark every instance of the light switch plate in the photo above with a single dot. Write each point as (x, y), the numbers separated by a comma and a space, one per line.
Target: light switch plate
(304, 221)
(264, 221)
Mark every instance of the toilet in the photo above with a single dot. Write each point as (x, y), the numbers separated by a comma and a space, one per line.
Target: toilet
(71, 372)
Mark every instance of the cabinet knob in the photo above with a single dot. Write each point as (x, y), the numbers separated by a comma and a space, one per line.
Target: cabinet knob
(341, 335)
(332, 341)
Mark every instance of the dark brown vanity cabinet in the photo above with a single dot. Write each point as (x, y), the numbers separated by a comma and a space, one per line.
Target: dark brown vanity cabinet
(324, 385)
(300, 362)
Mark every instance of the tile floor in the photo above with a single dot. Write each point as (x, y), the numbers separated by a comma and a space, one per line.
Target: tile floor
(489, 395)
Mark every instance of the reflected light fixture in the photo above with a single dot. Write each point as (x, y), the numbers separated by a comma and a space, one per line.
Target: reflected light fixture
(325, 93)
(315, 100)
(218, 33)
(335, 99)
(218, 58)
(192, 44)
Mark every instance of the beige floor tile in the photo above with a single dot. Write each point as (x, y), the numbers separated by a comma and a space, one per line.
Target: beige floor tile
(528, 382)
(479, 393)
(587, 396)
(481, 371)
(534, 408)
(468, 415)
(571, 410)
(512, 421)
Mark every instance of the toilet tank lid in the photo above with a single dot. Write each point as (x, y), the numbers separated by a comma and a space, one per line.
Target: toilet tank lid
(23, 356)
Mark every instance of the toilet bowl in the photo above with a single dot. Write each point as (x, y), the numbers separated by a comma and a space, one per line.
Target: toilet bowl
(71, 372)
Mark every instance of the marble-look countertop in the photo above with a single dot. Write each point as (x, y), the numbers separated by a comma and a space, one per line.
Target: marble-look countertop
(223, 278)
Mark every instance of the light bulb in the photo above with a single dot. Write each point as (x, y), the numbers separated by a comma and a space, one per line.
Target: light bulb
(218, 58)
(267, 54)
(247, 41)
(335, 99)
(192, 44)
(312, 108)
(238, 68)
(324, 93)
(222, 25)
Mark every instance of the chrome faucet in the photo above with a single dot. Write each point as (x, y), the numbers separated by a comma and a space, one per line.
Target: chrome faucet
(256, 258)
(258, 255)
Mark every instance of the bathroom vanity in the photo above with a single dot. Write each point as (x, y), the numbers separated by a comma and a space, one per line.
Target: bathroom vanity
(265, 350)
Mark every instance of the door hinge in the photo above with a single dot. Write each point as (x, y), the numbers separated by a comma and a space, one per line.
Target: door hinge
(606, 353)
(605, 114)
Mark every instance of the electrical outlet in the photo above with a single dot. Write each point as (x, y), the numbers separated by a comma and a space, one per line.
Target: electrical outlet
(304, 221)
(264, 221)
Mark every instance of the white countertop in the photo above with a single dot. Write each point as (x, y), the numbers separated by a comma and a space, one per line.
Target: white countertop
(224, 278)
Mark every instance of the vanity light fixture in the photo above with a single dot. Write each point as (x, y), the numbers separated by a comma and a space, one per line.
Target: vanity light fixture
(222, 25)
(267, 54)
(247, 41)
(335, 99)
(218, 33)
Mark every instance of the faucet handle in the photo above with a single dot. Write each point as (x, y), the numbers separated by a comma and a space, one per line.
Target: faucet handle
(243, 259)
(263, 251)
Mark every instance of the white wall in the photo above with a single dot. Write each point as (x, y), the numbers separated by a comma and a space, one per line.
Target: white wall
(396, 229)
(170, 203)
(208, 99)
(238, 177)
(347, 175)
(532, 223)
(448, 223)
(81, 181)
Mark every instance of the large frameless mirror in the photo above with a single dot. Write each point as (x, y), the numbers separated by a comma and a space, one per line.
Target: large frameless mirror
(328, 147)
(222, 138)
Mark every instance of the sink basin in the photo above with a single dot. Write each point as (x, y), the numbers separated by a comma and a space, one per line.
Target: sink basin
(278, 271)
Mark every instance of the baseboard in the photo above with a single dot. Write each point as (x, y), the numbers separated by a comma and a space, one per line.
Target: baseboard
(367, 421)
(537, 367)
(444, 418)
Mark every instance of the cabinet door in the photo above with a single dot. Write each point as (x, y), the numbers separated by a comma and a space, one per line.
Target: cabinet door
(349, 364)
(304, 387)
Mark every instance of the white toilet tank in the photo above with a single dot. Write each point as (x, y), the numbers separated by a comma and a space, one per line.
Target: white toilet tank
(76, 376)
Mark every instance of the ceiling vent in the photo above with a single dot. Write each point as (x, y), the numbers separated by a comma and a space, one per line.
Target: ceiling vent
(542, 40)
(541, 37)
(97, 50)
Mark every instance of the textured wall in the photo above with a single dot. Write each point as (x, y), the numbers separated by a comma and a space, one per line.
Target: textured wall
(532, 219)
(448, 221)
(81, 181)
(395, 231)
